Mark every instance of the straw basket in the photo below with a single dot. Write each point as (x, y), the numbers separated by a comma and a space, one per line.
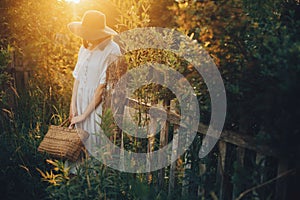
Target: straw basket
(63, 143)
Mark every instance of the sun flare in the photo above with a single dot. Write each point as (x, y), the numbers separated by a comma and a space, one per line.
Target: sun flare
(73, 1)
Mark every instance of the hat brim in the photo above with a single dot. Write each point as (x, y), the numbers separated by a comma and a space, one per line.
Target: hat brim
(87, 34)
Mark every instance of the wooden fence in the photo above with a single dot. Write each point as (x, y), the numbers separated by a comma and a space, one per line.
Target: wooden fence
(20, 71)
(239, 144)
(231, 148)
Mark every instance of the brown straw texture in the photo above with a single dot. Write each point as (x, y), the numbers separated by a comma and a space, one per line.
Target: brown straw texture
(63, 143)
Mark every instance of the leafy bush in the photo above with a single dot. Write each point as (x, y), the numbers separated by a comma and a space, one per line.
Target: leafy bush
(94, 180)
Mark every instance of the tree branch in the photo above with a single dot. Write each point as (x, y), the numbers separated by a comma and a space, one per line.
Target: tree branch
(292, 171)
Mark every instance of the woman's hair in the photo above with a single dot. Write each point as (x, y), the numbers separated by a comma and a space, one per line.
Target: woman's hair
(85, 43)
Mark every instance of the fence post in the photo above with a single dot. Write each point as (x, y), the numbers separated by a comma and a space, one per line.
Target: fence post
(151, 140)
(240, 155)
(185, 182)
(221, 168)
(281, 184)
(113, 73)
(163, 141)
(173, 164)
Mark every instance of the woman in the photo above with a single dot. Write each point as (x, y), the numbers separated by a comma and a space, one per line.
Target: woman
(95, 55)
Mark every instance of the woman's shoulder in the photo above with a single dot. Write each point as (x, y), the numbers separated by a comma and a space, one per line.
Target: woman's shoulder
(114, 45)
(81, 50)
(115, 48)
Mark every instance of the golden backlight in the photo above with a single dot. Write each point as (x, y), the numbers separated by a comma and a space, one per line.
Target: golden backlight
(73, 1)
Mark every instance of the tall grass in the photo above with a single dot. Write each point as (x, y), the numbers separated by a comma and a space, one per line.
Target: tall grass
(24, 119)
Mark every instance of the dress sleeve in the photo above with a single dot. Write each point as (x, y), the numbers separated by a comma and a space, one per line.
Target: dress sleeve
(77, 66)
(112, 57)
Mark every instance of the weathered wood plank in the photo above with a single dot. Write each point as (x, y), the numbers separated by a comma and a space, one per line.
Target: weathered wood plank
(151, 140)
(162, 142)
(20, 69)
(221, 169)
(240, 156)
(173, 164)
(241, 140)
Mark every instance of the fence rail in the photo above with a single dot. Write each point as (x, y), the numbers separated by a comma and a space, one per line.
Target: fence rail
(232, 147)
(241, 142)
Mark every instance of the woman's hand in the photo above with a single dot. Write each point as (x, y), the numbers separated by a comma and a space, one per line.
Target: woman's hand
(73, 113)
(77, 119)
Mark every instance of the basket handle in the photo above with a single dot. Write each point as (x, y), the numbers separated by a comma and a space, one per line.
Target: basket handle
(64, 122)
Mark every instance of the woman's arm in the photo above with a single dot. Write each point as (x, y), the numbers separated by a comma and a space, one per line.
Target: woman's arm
(97, 99)
(73, 107)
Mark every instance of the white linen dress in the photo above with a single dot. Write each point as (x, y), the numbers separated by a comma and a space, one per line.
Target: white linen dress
(90, 71)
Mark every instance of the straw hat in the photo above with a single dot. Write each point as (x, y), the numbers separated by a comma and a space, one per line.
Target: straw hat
(92, 27)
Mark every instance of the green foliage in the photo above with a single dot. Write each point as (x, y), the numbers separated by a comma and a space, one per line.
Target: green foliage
(107, 123)
(19, 138)
(275, 46)
(5, 78)
(94, 180)
(24, 119)
(133, 14)
(201, 172)
(261, 170)
(161, 14)
(255, 44)
(60, 174)
(19, 158)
